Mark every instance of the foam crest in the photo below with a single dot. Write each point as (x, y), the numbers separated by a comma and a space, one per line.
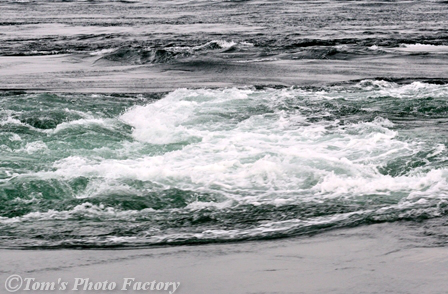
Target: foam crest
(33, 147)
(256, 143)
(190, 166)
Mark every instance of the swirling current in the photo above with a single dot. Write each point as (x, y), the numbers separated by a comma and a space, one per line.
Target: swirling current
(217, 165)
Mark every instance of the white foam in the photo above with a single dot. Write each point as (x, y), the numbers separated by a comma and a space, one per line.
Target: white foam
(10, 120)
(103, 51)
(256, 156)
(86, 210)
(33, 147)
(15, 138)
(424, 48)
(104, 123)
(221, 43)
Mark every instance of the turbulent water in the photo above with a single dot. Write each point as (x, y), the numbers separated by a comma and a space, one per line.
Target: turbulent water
(143, 31)
(219, 165)
(243, 129)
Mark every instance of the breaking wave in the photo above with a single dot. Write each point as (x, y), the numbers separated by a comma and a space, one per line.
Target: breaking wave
(217, 165)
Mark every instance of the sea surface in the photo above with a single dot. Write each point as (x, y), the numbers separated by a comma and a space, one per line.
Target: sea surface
(213, 164)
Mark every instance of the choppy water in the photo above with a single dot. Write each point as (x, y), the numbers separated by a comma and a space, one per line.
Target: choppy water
(143, 31)
(216, 165)
(196, 166)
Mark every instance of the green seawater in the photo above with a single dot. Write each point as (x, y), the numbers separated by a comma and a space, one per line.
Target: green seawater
(198, 166)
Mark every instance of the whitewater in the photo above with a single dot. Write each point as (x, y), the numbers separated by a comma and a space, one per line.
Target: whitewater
(219, 165)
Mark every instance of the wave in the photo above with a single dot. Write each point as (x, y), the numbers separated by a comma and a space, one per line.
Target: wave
(118, 48)
(246, 51)
(170, 53)
(220, 165)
